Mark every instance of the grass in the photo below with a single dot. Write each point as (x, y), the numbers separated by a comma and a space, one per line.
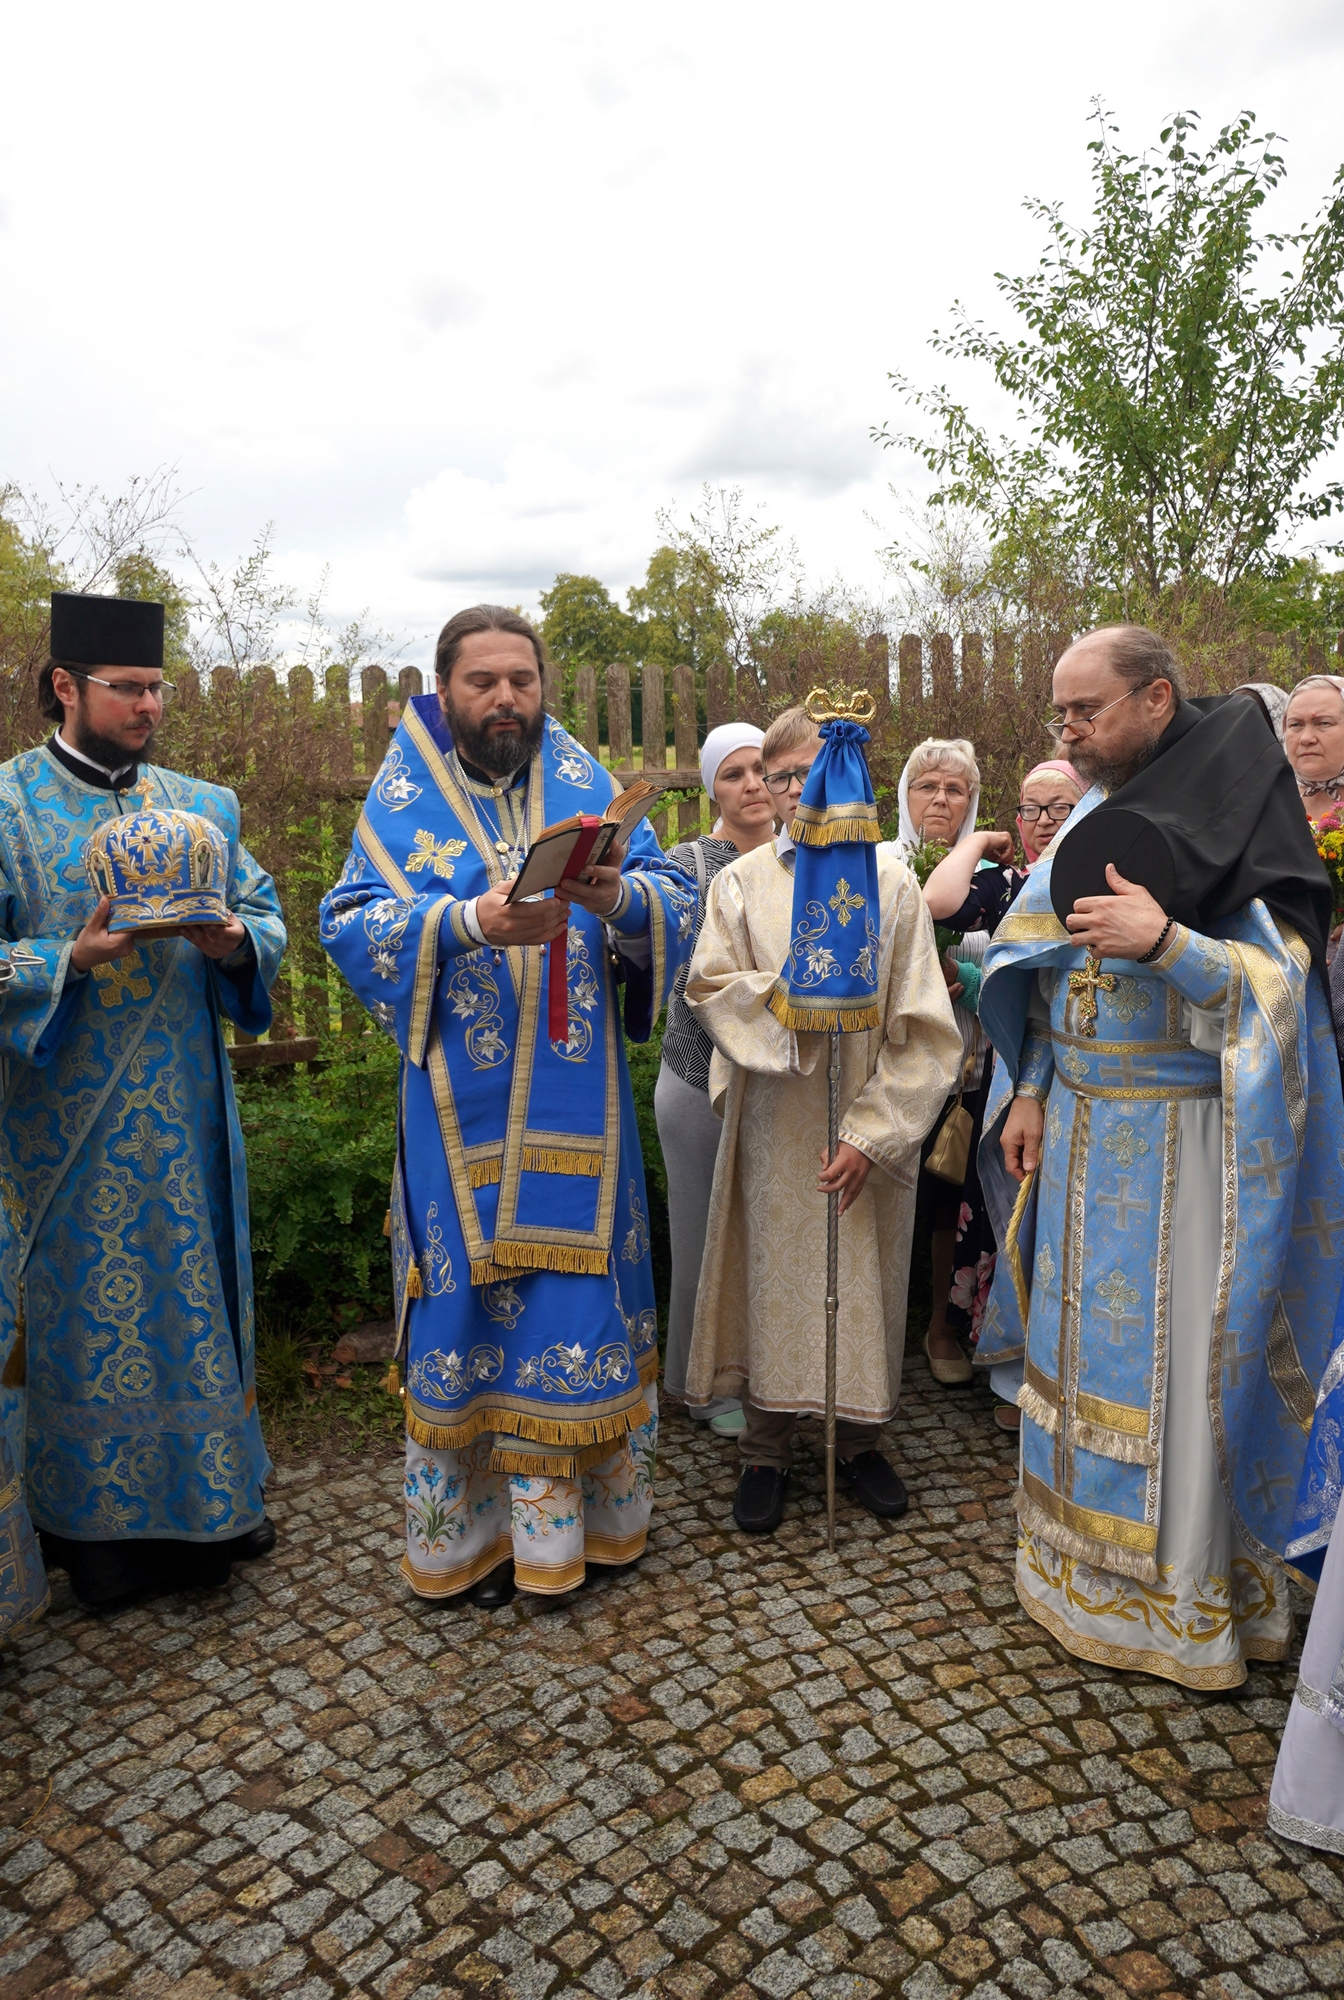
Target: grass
(312, 1407)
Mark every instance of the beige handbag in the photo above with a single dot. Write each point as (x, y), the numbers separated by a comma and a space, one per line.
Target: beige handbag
(950, 1154)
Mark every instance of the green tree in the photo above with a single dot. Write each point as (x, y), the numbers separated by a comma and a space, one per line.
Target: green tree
(584, 626)
(680, 618)
(1175, 395)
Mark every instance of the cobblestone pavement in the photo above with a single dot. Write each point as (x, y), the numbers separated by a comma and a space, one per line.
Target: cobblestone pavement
(743, 1769)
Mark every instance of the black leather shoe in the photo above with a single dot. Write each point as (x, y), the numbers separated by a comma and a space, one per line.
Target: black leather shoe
(758, 1504)
(256, 1542)
(496, 1590)
(875, 1484)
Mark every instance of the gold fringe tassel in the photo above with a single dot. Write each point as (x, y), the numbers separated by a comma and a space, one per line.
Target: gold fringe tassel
(387, 1223)
(1118, 1445)
(414, 1284)
(520, 1423)
(859, 824)
(1044, 1415)
(392, 1380)
(551, 1464)
(507, 1259)
(549, 1160)
(648, 1369)
(484, 1173)
(1084, 1548)
(822, 1020)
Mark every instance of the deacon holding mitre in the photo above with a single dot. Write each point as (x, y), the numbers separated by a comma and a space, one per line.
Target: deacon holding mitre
(1163, 1151)
(131, 921)
(498, 895)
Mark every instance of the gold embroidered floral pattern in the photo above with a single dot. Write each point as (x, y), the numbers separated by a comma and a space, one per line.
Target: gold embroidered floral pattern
(474, 998)
(438, 1377)
(567, 1371)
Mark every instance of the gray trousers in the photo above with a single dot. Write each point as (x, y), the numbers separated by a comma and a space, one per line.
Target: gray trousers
(688, 1132)
(768, 1437)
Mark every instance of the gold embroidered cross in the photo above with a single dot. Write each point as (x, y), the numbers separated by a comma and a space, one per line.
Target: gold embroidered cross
(122, 979)
(845, 902)
(436, 854)
(1083, 987)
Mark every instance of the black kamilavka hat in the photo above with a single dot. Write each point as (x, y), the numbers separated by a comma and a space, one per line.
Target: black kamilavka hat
(105, 631)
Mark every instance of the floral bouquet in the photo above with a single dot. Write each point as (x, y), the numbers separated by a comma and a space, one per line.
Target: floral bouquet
(1329, 836)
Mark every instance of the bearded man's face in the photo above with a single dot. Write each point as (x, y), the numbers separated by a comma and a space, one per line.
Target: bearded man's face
(492, 702)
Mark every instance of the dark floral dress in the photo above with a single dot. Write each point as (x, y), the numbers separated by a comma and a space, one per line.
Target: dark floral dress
(992, 892)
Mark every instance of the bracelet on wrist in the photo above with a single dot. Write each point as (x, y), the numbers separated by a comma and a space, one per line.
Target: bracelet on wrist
(1166, 931)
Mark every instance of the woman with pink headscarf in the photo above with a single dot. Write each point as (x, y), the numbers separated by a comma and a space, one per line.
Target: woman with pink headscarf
(970, 891)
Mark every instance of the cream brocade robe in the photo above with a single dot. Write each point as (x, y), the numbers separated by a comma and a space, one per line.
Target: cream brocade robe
(759, 1314)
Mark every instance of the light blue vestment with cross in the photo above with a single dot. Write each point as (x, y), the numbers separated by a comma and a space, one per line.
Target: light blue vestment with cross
(1083, 1285)
(123, 1180)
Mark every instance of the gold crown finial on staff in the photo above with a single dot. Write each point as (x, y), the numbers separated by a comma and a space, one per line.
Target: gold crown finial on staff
(834, 705)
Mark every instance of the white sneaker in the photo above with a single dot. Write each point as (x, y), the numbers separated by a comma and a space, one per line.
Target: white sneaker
(729, 1423)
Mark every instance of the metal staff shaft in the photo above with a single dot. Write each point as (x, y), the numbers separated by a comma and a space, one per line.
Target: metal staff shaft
(832, 1280)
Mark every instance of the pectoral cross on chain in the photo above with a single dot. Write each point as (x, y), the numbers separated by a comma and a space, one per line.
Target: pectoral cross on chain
(1083, 987)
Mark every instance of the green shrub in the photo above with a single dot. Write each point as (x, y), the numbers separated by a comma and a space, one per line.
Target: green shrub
(320, 1147)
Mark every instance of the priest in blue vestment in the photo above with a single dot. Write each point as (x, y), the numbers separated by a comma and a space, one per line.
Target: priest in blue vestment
(519, 1222)
(1164, 1160)
(127, 1314)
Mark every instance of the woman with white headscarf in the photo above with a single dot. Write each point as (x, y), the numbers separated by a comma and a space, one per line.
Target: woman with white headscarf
(734, 779)
(1313, 741)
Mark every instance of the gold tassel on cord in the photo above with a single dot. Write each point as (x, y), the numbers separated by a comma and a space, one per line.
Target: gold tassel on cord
(392, 1380)
(414, 1284)
(387, 1223)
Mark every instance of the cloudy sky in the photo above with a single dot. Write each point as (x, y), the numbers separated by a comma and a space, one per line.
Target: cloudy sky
(458, 298)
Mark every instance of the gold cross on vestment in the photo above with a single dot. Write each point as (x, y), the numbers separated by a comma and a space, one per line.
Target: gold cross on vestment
(1083, 987)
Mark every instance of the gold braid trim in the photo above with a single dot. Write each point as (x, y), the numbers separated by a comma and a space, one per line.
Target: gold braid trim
(839, 1020)
(519, 1423)
(506, 1260)
(1084, 1548)
(1044, 1415)
(648, 1368)
(1121, 1446)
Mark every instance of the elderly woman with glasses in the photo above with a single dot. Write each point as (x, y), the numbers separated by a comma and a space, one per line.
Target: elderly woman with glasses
(970, 891)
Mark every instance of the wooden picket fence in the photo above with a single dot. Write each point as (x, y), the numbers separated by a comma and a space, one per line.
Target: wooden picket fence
(301, 756)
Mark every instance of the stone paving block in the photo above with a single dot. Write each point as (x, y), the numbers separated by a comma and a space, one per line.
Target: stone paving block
(743, 1769)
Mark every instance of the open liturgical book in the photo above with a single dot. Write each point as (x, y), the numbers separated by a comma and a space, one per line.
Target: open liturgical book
(562, 851)
(557, 855)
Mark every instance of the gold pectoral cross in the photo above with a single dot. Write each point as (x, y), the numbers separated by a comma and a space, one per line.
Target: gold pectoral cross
(1083, 987)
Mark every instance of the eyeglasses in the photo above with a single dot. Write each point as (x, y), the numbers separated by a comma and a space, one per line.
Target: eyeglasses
(931, 788)
(1031, 813)
(160, 691)
(779, 781)
(1083, 725)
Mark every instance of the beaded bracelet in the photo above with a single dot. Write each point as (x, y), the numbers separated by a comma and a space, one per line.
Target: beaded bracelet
(1167, 928)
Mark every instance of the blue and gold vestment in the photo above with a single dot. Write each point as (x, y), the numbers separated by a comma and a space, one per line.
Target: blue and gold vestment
(124, 1183)
(1083, 1287)
(520, 1239)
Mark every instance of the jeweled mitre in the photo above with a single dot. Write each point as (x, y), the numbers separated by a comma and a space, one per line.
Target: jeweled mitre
(161, 869)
